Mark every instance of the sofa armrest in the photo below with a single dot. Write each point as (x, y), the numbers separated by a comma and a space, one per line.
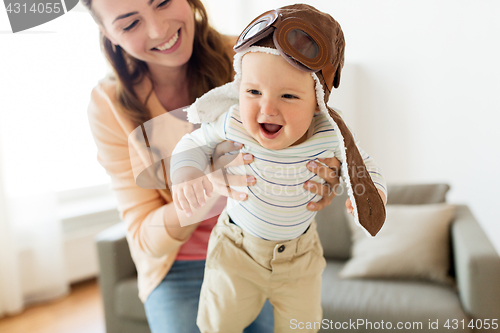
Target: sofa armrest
(116, 265)
(114, 255)
(477, 266)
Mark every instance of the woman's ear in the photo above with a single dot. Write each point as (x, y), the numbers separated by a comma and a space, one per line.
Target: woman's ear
(107, 35)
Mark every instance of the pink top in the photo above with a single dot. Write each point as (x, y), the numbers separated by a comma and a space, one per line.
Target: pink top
(196, 247)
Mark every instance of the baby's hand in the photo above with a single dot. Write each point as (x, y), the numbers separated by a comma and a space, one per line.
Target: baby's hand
(348, 205)
(190, 186)
(350, 209)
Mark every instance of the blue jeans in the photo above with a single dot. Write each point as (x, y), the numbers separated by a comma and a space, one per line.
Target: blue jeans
(173, 306)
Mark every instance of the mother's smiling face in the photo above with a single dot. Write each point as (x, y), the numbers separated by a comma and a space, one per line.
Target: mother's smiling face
(159, 32)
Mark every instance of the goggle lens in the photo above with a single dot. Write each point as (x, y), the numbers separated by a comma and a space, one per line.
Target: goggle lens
(303, 43)
(256, 28)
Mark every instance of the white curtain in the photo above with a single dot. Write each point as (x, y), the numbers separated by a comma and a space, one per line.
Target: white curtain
(47, 74)
(10, 290)
(31, 257)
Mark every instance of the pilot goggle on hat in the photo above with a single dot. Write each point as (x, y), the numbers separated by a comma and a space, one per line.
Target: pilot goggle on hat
(301, 43)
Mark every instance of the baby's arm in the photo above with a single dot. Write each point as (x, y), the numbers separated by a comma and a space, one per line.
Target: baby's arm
(190, 158)
(191, 186)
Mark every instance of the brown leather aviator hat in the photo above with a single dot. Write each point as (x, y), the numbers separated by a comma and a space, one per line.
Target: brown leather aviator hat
(311, 41)
(308, 39)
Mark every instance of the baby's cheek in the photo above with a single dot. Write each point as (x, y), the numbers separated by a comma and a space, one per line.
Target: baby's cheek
(247, 123)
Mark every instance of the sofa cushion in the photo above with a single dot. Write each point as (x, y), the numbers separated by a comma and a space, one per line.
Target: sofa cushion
(332, 221)
(388, 300)
(416, 194)
(127, 302)
(413, 243)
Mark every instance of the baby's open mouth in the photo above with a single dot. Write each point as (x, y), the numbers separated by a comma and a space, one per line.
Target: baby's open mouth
(270, 128)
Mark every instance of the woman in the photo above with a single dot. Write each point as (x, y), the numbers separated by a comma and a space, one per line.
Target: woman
(164, 55)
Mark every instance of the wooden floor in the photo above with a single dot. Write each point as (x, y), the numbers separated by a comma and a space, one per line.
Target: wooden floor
(79, 312)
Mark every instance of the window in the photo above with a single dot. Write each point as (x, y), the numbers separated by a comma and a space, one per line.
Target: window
(47, 74)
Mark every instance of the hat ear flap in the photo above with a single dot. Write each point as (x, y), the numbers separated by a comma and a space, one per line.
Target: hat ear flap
(369, 209)
(212, 104)
(336, 79)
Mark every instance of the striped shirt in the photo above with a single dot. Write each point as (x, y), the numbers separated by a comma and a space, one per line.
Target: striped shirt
(276, 204)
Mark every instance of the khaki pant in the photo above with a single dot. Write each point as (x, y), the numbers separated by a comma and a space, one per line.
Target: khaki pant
(242, 271)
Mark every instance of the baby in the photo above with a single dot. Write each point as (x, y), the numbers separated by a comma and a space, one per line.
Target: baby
(286, 64)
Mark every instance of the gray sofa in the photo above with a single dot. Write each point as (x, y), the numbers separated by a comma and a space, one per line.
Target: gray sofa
(352, 305)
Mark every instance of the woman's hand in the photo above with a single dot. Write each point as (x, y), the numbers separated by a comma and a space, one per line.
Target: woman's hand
(220, 180)
(330, 175)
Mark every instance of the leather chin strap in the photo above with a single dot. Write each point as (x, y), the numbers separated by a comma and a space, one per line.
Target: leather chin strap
(369, 204)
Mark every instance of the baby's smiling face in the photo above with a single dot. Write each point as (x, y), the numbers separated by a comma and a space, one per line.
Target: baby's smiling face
(277, 101)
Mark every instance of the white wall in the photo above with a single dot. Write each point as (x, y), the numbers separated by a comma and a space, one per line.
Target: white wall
(421, 89)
